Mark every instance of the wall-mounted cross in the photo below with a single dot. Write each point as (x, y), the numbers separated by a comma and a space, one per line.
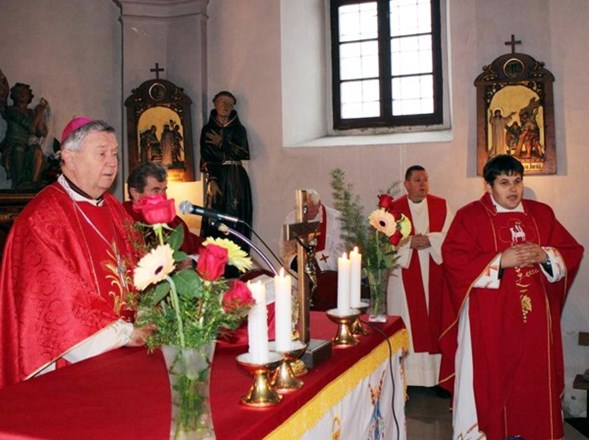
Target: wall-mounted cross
(513, 43)
(157, 69)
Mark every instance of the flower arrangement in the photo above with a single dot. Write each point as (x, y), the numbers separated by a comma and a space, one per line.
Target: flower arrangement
(385, 230)
(378, 238)
(188, 308)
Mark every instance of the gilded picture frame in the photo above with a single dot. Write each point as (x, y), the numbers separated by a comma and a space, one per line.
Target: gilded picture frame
(159, 128)
(515, 113)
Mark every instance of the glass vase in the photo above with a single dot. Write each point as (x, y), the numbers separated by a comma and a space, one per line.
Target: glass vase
(189, 371)
(378, 280)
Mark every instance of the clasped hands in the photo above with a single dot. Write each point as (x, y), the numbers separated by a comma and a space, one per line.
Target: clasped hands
(523, 254)
(419, 242)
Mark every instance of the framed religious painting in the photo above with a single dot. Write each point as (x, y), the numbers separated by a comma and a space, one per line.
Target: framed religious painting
(515, 113)
(159, 128)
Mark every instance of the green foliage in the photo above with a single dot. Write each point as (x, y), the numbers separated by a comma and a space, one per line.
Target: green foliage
(376, 250)
(354, 225)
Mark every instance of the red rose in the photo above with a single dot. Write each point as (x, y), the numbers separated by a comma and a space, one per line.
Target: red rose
(156, 209)
(395, 238)
(212, 261)
(238, 297)
(385, 201)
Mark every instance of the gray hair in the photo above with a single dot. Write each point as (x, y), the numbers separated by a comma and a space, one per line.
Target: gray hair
(313, 196)
(74, 140)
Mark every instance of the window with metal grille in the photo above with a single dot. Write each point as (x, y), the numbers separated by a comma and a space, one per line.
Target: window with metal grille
(386, 63)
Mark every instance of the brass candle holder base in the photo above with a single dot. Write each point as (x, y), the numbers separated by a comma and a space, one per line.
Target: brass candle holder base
(284, 379)
(344, 337)
(261, 394)
(357, 328)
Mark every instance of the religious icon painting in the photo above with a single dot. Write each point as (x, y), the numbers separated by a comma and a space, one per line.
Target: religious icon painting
(159, 128)
(515, 113)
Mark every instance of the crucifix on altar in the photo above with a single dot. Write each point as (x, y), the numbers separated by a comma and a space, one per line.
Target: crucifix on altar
(305, 233)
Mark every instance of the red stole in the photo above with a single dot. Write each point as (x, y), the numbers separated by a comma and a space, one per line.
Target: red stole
(322, 230)
(425, 326)
(107, 251)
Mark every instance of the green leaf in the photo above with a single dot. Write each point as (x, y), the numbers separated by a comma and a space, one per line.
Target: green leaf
(157, 294)
(188, 283)
(176, 238)
(180, 256)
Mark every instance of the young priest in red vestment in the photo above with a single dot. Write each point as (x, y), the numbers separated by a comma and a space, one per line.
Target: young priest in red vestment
(67, 264)
(509, 264)
(416, 287)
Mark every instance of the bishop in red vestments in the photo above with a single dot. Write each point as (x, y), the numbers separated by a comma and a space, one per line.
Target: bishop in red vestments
(67, 264)
(508, 266)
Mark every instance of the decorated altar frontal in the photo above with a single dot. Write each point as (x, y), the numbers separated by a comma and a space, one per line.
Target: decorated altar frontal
(124, 394)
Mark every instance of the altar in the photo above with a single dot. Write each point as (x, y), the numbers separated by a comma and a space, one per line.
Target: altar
(124, 394)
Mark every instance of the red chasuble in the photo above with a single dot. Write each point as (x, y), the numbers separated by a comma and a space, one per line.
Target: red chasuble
(425, 325)
(59, 281)
(515, 330)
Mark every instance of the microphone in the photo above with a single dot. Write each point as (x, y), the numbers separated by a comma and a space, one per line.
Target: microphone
(187, 207)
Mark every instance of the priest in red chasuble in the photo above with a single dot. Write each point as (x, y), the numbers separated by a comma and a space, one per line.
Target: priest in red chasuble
(508, 265)
(151, 178)
(416, 287)
(67, 264)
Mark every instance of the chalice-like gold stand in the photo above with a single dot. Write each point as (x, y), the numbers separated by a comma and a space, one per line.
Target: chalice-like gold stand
(261, 394)
(357, 328)
(344, 337)
(284, 379)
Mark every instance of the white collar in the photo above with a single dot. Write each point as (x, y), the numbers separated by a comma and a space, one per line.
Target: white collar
(499, 208)
(75, 196)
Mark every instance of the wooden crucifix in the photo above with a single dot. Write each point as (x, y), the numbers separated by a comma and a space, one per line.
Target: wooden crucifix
(304, 233)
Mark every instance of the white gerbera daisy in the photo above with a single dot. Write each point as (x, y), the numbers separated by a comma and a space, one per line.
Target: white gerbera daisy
(237, 256)
(383, 221)
(154, 267)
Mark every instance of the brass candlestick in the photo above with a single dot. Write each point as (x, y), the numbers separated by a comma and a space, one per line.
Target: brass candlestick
(357, 328)
(284, 379)
(344, 337)
(261, 394)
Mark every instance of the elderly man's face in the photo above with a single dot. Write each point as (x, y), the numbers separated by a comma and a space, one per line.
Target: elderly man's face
(94, 167)
(312, 210)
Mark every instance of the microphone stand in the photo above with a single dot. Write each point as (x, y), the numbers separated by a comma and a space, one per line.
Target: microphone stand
(223, 228)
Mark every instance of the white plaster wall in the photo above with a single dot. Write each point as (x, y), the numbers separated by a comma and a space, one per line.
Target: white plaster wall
(69, 54)
(245, 56)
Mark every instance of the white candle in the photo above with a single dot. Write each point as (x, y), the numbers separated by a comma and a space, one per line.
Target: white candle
(257, 325)
(283, 311)
(343, 284)
(355, 277)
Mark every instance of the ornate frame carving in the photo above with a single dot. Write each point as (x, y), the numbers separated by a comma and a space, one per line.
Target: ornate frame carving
(515, 113)
(159, 128)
